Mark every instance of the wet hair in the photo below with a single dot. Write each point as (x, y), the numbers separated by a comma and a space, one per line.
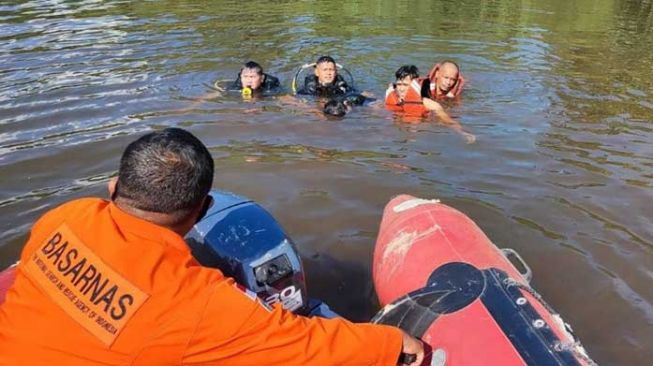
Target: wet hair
(324, 59)
(407, 70)
(252, 66)
(168, 171)
(335, 108)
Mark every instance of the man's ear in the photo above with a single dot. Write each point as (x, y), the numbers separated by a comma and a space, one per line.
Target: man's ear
(111, 186)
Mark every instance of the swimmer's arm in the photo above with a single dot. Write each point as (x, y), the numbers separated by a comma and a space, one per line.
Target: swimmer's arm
(199, 100)
(291, 100)
(211, 95)
(446, 119)
(369, 95)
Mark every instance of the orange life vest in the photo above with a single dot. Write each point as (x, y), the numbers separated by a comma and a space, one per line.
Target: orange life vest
(453, 93)
(411, 104)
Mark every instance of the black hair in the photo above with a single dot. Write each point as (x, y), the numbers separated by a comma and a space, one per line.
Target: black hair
(252, 65)
(324, 59)
(168, 171)
(407, 70)
(335, 108)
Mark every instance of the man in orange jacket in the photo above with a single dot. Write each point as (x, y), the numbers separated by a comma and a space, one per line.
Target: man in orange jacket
(113, 283)
(445, 81)
(404, 94)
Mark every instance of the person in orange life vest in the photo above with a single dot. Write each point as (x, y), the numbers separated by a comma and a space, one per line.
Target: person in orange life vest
(114, 283)
(404, 95)
(444, 81)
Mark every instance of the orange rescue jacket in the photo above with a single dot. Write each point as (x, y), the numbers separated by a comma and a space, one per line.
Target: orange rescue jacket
(411, 105)
(455, 91)
(97, 286)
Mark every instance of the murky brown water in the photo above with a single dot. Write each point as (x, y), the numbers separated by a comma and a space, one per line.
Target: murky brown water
(560, 96)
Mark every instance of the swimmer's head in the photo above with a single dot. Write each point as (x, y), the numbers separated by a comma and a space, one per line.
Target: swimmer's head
(251, 75)
(335, 108)
(447, 76)
(405, 76)
(326, 70)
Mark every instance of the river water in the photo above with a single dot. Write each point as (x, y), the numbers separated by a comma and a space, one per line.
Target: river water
(559, 94)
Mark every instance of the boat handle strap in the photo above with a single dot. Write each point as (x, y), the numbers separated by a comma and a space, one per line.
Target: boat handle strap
(527, 273)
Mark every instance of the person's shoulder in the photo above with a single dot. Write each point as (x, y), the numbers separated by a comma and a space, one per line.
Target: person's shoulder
(310, 85)
(271, 79)
(77, 205)
(68, 211)
(271, 83)
(84, 203)
(235, 85)
(342, 84)
(425, 87)
(196, 279)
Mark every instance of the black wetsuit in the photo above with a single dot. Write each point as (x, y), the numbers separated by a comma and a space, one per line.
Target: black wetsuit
(338, 90)
(269, 85)
(313, 87)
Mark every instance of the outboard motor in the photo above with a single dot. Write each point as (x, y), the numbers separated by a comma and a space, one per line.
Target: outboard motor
(246, 243)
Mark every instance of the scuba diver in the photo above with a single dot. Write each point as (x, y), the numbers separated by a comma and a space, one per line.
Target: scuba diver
(251, 80)
(326, 82)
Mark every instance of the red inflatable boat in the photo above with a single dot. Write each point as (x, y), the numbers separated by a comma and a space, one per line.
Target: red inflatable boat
(441, 279)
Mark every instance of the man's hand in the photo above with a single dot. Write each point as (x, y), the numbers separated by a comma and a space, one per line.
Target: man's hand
(469, 138)
(413, 346)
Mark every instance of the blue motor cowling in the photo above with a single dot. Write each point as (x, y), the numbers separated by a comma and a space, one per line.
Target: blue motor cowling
(246, 243)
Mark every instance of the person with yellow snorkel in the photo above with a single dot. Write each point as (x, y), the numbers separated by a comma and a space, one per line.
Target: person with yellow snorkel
(251, 80)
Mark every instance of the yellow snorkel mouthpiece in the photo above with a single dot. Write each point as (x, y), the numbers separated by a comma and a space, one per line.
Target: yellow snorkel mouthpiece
(246, 92)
